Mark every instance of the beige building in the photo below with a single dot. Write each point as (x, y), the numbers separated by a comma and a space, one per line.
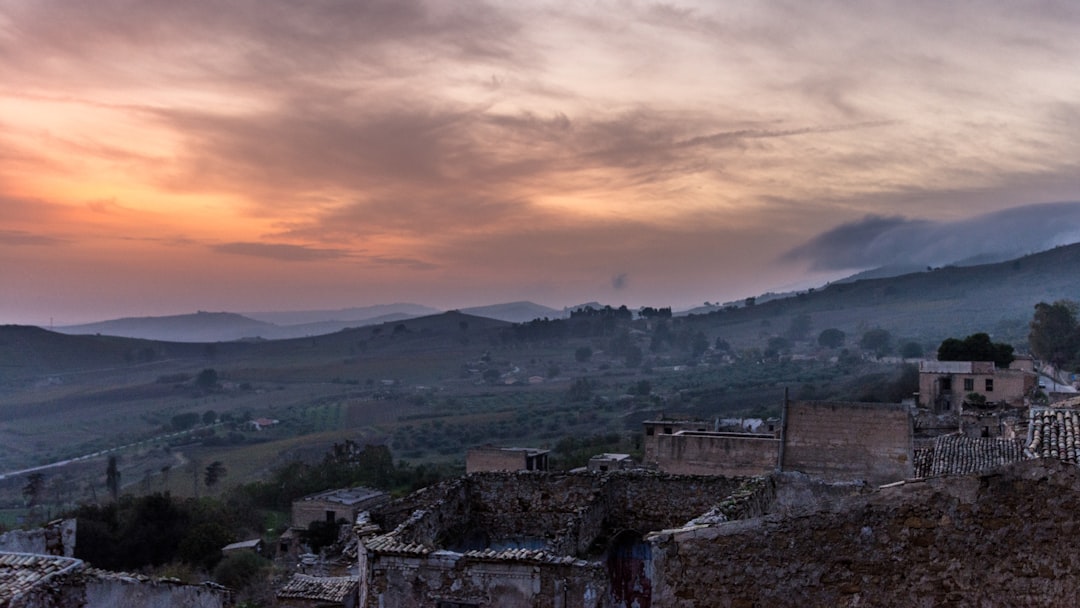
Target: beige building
(332, 505)
(491, 458)
(944, 385)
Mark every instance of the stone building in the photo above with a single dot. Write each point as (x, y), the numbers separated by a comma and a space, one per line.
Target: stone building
(304, 591)
(332, 505)
(51, 581)
(602, 463)
(943, 385)
(540, 539)
(491, 458)
(836, 441)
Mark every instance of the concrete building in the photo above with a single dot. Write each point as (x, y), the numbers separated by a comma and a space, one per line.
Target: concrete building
(491, 458)
(332, 505)
(944, 385)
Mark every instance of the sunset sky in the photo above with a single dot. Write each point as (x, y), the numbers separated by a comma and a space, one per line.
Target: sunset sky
(162, 156)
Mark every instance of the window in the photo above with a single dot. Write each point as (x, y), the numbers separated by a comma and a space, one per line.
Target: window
(650, 430)
(667, 430)
(446, 604)
(989, 385)
(946, 384)
(969, 384)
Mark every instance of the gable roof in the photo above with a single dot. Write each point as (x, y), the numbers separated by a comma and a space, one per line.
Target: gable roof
(322, 588)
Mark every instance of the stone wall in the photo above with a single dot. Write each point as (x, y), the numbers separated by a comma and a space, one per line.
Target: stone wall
(1005, 538)
(847, 441)
(55, 538)
(705, 453)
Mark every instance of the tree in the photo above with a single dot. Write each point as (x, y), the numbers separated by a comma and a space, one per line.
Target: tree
(112, 478)
(207, 378)
(831, 338)
(34, 488)
(976, 347)
(209, 417)
(1054, 334)
(878, 341)
(800, 327)
(911, 350)
(583, 354)
(214, 472)
(580, 390)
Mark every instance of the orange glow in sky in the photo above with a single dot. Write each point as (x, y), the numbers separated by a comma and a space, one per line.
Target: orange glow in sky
(162, 157)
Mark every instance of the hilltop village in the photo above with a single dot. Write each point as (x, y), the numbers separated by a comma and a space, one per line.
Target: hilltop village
(831, 503)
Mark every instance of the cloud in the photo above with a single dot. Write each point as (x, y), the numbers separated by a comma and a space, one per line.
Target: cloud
(21, 238)
(281, 251)
(883, 241)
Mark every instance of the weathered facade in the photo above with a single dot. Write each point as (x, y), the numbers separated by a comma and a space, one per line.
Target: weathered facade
(332, 505)
(491, 458)
(544, 540)
(836, 441)
(49, 581)
(943, 385)
(708, 453)
(842, 441)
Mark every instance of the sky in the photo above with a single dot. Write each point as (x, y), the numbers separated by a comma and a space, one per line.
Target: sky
(161, 157)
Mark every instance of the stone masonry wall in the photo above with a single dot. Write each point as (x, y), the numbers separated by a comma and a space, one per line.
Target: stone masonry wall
(847, 441)
(1005, 538)
(714, 454)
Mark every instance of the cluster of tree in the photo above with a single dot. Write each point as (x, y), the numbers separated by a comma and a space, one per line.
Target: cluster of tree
(1055, 334)
(156, 529)
(649, 312)
(976, 347)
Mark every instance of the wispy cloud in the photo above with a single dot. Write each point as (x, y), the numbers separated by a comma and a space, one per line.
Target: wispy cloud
(20, 238)
(281, 251)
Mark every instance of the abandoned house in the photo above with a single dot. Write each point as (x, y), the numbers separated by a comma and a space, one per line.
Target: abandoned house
(536, 539)
(333, 505)
(835, 441)
(944, 385)
(491, 458)
(602, 463)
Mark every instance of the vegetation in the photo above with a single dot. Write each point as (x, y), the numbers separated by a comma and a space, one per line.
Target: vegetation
(976, 347)
(1055, 335)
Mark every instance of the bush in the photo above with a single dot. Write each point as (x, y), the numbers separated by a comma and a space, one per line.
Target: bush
(240, 570)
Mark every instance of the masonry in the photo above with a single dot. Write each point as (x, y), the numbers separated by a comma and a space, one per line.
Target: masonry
(537, 539)
(840, 441)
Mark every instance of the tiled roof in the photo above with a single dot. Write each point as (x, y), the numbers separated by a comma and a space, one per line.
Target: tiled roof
(20, 573)
(1054, 433)
(321, 588)
(960, 455)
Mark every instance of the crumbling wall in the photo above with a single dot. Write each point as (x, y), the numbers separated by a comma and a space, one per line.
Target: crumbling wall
(840, 441)
(425, 581)
(56, 538)
(653, 501)
(109, 591)
(734, 454)
(1005, 538)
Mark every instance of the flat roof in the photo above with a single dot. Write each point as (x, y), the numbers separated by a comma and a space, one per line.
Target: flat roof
(346, 496)
(529, 451)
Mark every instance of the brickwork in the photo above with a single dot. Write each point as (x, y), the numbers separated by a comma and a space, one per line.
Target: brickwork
(846, 441)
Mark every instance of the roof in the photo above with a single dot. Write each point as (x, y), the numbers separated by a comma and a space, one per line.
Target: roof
(607, 456)
(1053, 433)
(345, 496)
(960, 455)
(528, 451)
(322, 588)
(958, 367)
(20, 573)
(244, 544)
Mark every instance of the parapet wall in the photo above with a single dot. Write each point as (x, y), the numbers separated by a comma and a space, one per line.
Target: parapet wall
(705, 453)
(840, 441)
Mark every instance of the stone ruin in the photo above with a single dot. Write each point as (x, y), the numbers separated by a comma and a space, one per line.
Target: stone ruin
(538, 539)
